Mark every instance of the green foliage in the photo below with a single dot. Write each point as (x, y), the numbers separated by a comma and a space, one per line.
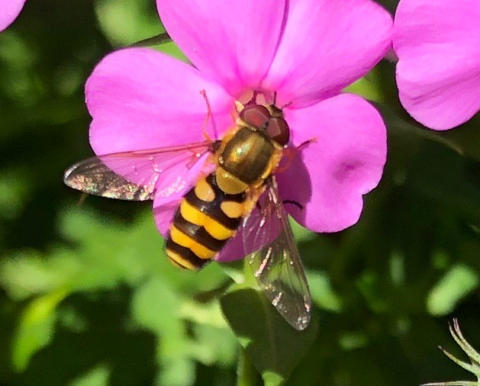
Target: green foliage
(35, 328)
(368, 87)
(107, 255)
(95, 377)
(87, 296)
(458, 282)
(323, 294)
(273, 346)
(126, 21)
(139, 21)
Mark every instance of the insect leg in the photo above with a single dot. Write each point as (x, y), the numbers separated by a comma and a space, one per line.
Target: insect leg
(207, 118)
(289, 154)
(306, 143)
(82, 198)
(293, 202)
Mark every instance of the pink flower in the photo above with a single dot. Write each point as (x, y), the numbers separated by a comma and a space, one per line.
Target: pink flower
(9, 10)
(438, 73)
(305, 50)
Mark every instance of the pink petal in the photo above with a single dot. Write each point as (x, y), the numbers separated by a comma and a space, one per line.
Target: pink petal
(438, 73)
(326, 45)
(230, 41)
(163, 214)
(345, 161)
(9, 10)
(142, 99)
(233, 250)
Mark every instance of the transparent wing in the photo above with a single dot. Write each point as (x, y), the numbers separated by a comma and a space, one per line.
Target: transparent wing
(275, 260)
(136, 175)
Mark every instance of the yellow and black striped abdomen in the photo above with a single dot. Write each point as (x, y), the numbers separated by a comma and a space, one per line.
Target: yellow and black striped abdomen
(205, 220)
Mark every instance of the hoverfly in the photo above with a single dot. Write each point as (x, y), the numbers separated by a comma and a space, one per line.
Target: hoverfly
(239, 195)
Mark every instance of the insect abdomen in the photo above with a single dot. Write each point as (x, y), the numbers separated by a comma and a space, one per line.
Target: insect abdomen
(205, 220)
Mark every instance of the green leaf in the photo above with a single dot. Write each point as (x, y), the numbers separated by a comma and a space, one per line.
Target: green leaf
(397, 268)
(214, 345)
(164, 311)
(14, 190)
(180, 372)
(322, 292)
(97, 376)
(272, 344)
(409, 129)
(235, 270)
(458, 282)
(272, 379)
(369, 285)
(35, 328)
(27, 273)
(139, 21)
(172, 49)
(368, 87)
(202, 313)
(352, 340)
(466, 138)
(301, 234)
(155, 307)
(127, 21)
(149, 304)
(246, 373)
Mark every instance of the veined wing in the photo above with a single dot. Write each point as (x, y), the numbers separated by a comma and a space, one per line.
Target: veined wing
(275, 260)
(136, 175)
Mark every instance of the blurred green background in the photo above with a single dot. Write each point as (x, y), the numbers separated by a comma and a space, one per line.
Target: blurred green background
(87, 297)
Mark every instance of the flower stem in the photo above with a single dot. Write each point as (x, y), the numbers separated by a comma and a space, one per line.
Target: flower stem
(246, 373)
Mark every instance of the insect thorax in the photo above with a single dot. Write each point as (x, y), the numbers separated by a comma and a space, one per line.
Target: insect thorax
(245, 160)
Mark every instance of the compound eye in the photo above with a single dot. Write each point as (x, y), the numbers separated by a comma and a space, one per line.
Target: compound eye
(255, 115)
(278, 130)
